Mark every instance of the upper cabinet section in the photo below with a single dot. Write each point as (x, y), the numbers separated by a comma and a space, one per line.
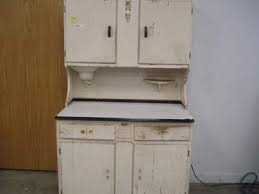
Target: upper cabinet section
(165, 31)
(128, 33)
(90, 32)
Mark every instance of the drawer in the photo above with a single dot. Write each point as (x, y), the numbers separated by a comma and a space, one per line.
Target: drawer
(146, 133)
(82, 131)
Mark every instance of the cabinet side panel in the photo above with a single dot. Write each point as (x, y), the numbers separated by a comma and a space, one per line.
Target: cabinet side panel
(124, 159)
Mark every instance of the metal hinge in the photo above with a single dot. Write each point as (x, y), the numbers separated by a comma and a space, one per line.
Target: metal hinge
(190, 55)
(192, 10)
(65, 9)
(59, 150)
(65, 53)
(188, 154)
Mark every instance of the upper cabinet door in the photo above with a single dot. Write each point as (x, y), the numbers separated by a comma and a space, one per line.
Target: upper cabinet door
(165, 31)
(91, 31)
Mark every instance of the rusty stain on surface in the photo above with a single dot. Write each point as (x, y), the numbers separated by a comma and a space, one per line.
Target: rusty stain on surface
(161, 190)
(143, 136)
(127, 16)
(128, 5)
(136, 186)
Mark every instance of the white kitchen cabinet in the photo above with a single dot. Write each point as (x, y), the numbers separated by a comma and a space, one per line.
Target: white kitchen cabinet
(165, 32)
(126, 128)
(90, 31)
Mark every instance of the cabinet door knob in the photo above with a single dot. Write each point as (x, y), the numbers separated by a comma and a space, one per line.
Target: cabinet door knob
(145, 32)
(109, 31)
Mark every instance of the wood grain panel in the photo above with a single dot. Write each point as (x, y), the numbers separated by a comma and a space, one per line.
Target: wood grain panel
(32, 82)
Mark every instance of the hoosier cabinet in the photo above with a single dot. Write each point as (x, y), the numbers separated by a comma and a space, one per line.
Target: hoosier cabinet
(126, 128)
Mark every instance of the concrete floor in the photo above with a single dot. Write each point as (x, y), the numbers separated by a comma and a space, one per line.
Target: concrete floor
(31, 182)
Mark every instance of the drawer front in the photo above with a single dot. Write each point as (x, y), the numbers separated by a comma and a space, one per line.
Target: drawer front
(81, 131)
(146, 133)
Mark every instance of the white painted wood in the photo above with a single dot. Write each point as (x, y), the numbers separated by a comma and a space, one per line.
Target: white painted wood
(124, 132)
(160, 169)
(108, 157)
(124, 166)
(125, 83)
(162, 133)
(87, 23)
(128, 110)
(80, 66)
(79, 131)
(128, 83)
(127, 37)
(79, 154)
(85, 26)
(87, 168)
(168, 26)
(59, 158)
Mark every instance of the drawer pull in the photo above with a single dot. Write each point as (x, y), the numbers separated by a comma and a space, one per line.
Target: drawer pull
(109, 31)
(145, 32)
(161, 131)
(87, 131)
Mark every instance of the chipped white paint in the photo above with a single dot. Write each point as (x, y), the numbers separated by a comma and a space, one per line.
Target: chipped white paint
(162, 132)
(77, 130)
(128, 83)
(125, 157)
(123, 164)
(87, 167)
(160, 169)
(168, 33)
(168, 40)
(87, 25)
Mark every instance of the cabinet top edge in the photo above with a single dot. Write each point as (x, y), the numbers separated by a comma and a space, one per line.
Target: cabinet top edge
(140, 66)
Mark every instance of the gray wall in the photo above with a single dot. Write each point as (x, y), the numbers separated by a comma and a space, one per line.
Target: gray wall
(224, 88)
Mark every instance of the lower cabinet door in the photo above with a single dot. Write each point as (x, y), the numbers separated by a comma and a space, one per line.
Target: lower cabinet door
(87, 168)
(161, 169)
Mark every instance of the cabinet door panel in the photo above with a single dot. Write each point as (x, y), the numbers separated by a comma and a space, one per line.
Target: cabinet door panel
(87, 168)
(160, 169)
(90, 31)
(165, 32)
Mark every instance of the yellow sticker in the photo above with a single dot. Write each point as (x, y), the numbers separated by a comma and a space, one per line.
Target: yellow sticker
(73, 19)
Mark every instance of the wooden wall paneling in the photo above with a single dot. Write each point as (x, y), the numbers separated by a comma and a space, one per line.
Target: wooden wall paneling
(32, 82)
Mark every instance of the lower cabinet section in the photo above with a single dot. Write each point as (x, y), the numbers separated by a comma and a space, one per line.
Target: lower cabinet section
(87, 168)
(160, 169)
(123, 165)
